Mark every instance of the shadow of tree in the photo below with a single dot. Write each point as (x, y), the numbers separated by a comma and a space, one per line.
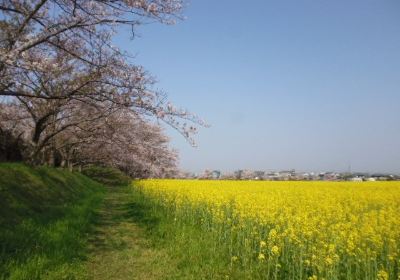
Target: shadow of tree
(113, 220)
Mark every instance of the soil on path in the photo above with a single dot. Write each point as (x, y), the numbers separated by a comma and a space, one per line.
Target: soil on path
(119, 248)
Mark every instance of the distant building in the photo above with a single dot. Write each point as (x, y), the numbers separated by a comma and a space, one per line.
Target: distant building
(259, 175)
(383, 177)
(356, 179)
(307, 176)
(287, 175)
(273, 176)
(329, 176)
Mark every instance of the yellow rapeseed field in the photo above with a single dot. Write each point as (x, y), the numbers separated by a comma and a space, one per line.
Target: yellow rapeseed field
(292, 230)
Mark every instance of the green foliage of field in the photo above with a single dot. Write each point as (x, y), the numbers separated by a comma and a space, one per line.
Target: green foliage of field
(191, 249)
(45, 217)
(273, 230)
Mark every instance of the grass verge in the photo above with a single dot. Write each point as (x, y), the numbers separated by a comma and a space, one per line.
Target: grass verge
(196, 253)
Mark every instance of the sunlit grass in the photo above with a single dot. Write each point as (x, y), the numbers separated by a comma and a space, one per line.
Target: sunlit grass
(45, 217)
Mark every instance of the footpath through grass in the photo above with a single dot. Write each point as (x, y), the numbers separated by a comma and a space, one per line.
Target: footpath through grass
(55, 224)
(119, 245)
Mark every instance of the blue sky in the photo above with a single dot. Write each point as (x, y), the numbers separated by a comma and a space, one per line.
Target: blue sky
(310, 85)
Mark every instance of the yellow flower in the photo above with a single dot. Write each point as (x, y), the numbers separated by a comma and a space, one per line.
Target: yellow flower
(272, 234)
(328, 261)
(328, 223)
(382, 275)
(275, 250)
(313, 257)
(234, 258)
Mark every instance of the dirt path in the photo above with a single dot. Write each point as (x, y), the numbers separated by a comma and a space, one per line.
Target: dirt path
(119, 248)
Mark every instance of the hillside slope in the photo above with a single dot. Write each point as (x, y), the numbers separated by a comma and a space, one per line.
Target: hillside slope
(45, 217)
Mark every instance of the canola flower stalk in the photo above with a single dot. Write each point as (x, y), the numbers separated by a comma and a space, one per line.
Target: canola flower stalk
(305, 230)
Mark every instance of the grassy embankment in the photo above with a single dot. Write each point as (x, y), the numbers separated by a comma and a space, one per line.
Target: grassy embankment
(45, 218)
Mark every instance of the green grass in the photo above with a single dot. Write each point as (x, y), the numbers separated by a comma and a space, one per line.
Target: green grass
(45, 219)
(55, 224)
(120, 247)
(197, 253)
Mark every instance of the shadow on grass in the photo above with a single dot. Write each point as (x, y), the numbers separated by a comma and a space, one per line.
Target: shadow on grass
(141, 214)
(44, 217)
(116, 219)
(57, 247)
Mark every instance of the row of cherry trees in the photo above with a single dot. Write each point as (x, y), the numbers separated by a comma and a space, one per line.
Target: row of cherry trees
(69, 97)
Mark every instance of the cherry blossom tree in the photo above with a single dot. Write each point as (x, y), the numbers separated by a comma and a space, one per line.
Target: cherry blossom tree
(61, 49)
(118, 138)
(131, 144)
(73, 26)
(61, 74)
